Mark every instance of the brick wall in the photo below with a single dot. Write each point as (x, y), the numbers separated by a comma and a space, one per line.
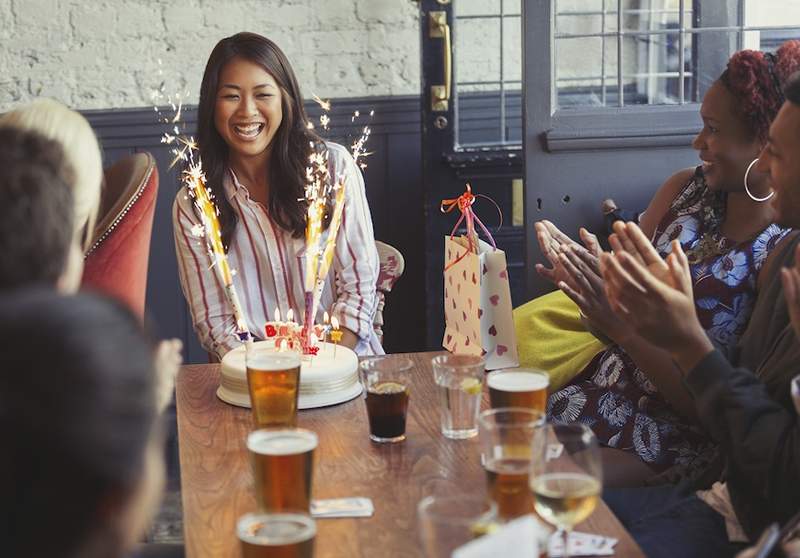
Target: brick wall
(104, 53)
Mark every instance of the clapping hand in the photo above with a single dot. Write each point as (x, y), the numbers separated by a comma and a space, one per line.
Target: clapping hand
(553, 242)
(653, 296)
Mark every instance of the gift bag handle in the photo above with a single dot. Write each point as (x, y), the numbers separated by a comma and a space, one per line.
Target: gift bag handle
(464, 204)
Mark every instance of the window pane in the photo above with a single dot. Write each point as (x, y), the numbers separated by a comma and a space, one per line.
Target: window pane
(651, 69)
(586, 71)
(487, 66)
(476, 7)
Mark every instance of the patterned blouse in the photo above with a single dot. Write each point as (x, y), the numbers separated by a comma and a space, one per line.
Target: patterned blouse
(614, 397)
(269, 266)
(723, 272)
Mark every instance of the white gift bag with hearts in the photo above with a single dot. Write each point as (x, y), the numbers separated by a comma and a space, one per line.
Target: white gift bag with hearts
(477, 303)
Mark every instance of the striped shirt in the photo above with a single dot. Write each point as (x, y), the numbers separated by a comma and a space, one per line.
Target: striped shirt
(269, 266)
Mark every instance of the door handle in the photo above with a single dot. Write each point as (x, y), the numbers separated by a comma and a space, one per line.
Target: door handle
(438, 28)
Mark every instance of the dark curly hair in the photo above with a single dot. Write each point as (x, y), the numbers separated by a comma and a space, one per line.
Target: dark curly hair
(756, 79)
(293, 142)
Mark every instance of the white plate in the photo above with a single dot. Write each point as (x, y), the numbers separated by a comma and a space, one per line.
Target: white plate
(305, 402)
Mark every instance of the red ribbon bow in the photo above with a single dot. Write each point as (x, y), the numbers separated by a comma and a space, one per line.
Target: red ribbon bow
(464, 204)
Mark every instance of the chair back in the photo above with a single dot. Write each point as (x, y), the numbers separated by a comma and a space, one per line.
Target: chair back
(392, 266)
(117, 259)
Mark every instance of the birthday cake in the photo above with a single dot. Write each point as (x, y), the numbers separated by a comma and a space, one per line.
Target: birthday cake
(326, 378)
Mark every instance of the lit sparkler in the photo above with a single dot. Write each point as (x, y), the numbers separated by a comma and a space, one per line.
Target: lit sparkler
(184, 149)
(321, 187)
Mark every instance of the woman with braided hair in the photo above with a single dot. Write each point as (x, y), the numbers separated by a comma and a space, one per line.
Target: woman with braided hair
(631, 393)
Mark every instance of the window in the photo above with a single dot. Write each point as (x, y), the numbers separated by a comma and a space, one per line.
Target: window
(657, 52)
(487, 55)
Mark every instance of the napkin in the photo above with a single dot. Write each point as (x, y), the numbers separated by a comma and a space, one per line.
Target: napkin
(582, 544)
(517, 539)
(342, 507)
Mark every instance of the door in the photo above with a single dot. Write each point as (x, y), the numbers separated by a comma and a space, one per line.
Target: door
(471, 131)
(612, 92)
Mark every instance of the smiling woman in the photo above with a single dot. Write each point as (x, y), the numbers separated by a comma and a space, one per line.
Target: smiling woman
(254, 145)
(727, 233)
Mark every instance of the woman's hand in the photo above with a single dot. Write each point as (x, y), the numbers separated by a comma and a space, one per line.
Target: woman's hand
(629, 238)
(168, 358)
(790, 278)
(553, 242)
(589, 294)
(659, 306)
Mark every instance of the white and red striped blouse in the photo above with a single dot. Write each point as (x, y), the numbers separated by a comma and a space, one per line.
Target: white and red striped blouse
(269, 266)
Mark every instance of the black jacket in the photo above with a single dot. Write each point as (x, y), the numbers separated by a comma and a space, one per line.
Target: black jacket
(746, 406)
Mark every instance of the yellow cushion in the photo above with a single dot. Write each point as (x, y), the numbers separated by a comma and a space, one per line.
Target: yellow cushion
(551, 337)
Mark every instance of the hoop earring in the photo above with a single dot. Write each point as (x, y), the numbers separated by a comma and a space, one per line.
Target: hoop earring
(747, 190)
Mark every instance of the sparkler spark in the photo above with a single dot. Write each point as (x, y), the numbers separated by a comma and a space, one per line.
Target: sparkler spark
(184, 149)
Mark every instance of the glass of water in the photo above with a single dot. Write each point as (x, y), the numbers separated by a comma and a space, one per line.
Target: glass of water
(460, 381)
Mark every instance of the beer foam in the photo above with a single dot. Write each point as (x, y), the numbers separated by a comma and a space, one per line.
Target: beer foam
(275, 529)
(281, 442)
(272, 360)
(516, 380)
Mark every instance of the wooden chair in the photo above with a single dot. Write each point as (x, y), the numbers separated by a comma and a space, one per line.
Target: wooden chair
(392, 266)
(117, 260)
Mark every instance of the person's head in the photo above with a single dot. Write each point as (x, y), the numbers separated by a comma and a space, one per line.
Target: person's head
(82, 470)
(251, 109)
(737, 111)
(73, 132)
(36, 214)
(780, 159)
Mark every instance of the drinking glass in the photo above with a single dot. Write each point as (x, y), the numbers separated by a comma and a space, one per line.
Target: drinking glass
(386, 383)
(460, 381)
(283, 468)
(276, 535)
(447, 522)
(518, 387)
(566, 475)
(273, 381)
(506, 436)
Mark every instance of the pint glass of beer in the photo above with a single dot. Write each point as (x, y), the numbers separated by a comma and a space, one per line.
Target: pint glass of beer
(283, 463)
(386, 380)
(273, 379)
(276, 535)
(518, 387)
(506, 435)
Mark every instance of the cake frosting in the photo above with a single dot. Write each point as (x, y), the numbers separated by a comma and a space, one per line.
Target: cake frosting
(324, 379)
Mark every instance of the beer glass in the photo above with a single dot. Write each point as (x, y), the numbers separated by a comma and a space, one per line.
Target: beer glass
(447, 522)
(518, 387)
(566, 474)
(276, 535)
(273, 380)
(505, 436)
(460, 383)
(283, 462)
(386, 380)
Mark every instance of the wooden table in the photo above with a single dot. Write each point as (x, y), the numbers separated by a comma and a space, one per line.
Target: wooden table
(216, 480)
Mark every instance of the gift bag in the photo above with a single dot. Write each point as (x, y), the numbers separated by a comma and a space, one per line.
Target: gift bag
(477, 297)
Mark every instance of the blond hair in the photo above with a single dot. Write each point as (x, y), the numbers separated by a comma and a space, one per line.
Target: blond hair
(76, 137)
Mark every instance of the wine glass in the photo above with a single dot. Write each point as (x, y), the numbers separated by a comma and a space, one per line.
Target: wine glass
(566, 475)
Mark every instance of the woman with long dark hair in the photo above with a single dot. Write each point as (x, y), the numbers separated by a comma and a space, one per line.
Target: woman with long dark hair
(255, 144)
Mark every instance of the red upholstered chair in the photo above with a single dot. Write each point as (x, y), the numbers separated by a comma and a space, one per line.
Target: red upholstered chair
(117, 258)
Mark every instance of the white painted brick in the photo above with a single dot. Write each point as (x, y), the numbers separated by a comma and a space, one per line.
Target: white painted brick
(103, 53)
(180, 18)
(140, 19)
(92, 22)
